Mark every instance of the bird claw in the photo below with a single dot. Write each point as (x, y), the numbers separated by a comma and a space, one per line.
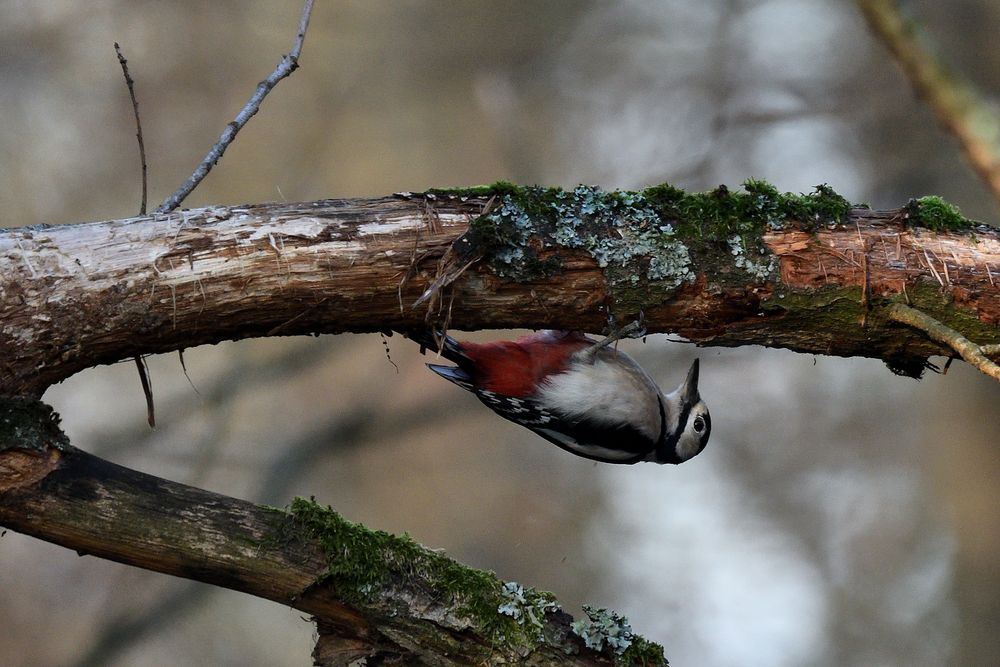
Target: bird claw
(635, 329)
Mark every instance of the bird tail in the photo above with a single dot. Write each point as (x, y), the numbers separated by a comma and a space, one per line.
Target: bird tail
(454, 374)
(440, 343)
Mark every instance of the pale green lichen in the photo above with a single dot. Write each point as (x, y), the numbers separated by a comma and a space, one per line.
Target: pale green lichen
(761, 270)
(625, 235)
(603, 628)
(526, 606)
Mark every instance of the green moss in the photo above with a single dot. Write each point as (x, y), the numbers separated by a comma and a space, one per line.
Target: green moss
(643, 653)
(936, 214)
(723, 213)
(842, 310)
(834, 307)
(362, 562)
(498, 188)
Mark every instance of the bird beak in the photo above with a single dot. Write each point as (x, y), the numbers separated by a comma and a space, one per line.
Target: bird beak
(689, 390)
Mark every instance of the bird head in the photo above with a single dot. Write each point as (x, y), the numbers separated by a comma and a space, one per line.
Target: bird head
(690, 424)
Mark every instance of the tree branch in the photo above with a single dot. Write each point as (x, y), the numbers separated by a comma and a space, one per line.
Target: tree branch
(954, 101)
(373, 595)
(973, 354)
(75, 296)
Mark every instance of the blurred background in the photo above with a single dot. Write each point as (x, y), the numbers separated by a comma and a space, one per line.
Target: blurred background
(841, 515)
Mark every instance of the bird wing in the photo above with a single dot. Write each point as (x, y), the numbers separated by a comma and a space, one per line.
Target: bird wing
(583, 437)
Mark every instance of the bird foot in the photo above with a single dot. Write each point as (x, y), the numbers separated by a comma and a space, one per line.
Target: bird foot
(634, 329)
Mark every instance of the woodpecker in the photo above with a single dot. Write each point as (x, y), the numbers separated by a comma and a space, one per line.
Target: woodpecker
(579, 394)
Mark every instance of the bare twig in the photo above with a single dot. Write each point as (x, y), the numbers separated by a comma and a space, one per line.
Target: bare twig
(289, 63)
(955, 103)
(138, 125)
(180, 355)
(147, 391)
(969, 351)
(139, 363)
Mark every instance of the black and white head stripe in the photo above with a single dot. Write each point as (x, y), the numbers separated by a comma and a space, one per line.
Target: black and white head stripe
(667, 451)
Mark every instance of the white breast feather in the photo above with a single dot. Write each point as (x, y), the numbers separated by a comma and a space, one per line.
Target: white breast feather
(607, 393)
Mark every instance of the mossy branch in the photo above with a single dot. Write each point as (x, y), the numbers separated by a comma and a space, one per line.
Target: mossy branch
(373, 595)
(725, 267)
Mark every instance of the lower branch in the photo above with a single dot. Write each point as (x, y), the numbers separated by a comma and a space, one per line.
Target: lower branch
(372, 594)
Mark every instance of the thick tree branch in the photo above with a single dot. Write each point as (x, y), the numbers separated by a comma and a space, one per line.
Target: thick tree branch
(74, 296)
(373, 595)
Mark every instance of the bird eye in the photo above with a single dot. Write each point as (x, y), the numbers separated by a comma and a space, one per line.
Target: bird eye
(699, 424)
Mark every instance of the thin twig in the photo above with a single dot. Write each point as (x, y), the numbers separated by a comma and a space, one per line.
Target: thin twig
(147, 390)
(139, 362)
(138, 125)
(958, 107)
(180, 355)
(969, 351)
(289, 63)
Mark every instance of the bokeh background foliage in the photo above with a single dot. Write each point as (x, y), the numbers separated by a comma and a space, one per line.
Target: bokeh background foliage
(841, 515)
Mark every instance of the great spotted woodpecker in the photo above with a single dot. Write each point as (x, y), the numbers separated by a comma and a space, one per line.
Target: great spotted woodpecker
(579, 394)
